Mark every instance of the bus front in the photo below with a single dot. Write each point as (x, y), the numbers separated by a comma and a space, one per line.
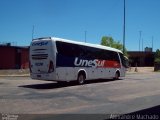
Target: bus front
(42, 59)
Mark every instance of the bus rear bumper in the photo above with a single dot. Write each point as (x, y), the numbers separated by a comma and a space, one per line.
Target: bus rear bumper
(44, 76)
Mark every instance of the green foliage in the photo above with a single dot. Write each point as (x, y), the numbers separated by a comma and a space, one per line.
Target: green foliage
(109, 41)
(157, 56)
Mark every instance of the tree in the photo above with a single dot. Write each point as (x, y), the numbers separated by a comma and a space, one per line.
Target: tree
(157, 61)
(109, 41)
(157, 56)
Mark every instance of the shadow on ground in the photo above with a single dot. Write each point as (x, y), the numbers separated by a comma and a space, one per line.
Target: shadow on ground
(64, 84)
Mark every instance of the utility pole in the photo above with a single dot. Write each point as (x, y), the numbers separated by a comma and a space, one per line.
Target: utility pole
(140, 32)
(32, 32)
(124, 25)
(142, 45)
(152, 42)
(85, 35)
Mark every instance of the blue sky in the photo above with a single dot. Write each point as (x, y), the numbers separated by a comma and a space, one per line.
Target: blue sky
(70, 19)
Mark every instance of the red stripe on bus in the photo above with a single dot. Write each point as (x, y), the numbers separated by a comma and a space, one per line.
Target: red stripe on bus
(110, 64)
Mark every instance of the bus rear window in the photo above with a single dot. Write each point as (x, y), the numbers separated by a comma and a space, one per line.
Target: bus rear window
(39, 56)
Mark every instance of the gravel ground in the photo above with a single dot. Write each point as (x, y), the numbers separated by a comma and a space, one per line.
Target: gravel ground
(140, 70)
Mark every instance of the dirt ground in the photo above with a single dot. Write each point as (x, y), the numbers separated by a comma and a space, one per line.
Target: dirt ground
(140, 69)
(14, 72)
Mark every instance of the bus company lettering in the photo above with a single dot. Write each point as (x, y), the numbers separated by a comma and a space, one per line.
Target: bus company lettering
(39, 44)
(89, 63)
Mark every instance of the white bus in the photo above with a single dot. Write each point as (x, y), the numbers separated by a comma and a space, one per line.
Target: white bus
(65, 60)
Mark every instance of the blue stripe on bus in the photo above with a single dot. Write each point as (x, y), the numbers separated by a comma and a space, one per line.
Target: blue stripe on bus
(65, 61)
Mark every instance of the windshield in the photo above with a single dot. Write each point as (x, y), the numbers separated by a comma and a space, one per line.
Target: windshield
(124, 60)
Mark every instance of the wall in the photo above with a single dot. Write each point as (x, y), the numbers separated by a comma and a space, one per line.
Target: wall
(141, 59)
(7, 57)
(13, 57)
(25, 58)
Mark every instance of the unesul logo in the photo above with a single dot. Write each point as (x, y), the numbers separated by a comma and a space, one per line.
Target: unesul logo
(89, 63)
(39, 43)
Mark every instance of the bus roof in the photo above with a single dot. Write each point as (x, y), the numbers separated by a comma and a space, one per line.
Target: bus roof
(79, 43)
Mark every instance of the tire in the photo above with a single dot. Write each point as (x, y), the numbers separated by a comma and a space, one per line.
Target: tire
(81, 79)
(116, 77)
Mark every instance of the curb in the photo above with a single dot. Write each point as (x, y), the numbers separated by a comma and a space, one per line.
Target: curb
(24, 75)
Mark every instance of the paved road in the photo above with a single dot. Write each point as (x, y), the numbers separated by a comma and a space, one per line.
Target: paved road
(21, 95)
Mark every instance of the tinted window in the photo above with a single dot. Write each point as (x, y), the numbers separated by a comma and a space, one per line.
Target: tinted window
(108, 55)
(91, 52)
(123, 60)
(74, 50)
(115, 56)
(69, 49)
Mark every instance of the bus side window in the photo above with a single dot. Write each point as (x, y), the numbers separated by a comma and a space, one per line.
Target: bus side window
(116, 57)
(80, 51)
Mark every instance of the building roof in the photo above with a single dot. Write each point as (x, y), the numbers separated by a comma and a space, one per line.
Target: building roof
(18, 47)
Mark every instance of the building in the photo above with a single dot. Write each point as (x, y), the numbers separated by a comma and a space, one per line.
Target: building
(141, 59)
(148, 49)
(14, 57)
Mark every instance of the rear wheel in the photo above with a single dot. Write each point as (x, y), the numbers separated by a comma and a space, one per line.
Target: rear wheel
(81, 79)
(116, 77)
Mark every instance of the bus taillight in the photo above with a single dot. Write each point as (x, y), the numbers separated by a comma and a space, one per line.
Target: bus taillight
(30, 69)
(51, 67)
